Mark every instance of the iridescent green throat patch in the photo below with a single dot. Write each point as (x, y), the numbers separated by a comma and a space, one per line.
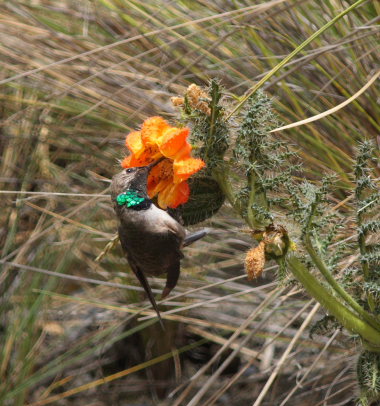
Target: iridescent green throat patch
(131, 198)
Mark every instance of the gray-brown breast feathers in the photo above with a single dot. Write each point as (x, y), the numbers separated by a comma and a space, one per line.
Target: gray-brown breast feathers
(152, 238)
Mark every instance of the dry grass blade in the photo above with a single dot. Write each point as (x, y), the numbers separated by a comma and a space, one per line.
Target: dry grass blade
(285, 355)
(293, 54)
(259, 8)
(66, 219)
(233, 380)
(244, 325)
(51, 194)
(210, 301)
(107, 379)
(222, 341)
(370, 82)
(304, 376)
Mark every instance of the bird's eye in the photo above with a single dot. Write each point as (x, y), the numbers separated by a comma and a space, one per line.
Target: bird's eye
(129, 170)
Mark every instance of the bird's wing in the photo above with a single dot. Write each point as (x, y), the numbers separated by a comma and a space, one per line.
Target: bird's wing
(172, 225)
(145, 284)
(172, 278)
(141, 277)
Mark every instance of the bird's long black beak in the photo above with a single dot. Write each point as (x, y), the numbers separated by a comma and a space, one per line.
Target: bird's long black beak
(150, 166)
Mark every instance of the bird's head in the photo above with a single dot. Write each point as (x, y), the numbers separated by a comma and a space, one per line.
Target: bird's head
(131, 178)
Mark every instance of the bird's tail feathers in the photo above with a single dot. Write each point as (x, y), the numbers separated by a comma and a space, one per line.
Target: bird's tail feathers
(145, 284)
(197, 235)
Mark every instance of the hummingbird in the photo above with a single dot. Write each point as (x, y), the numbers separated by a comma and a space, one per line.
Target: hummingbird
(150, 237)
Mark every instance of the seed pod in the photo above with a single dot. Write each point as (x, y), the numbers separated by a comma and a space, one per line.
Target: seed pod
(276, 242)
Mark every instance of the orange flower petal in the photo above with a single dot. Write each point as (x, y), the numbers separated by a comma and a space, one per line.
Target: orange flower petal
(182, 195)
(162, 170)
(131, 161)
(159, 177)
(174, 195)
(126, 162)
(152, 130)
(134, 143)
(155, 189)
(172, 141)
(184, 152)
(185, 168)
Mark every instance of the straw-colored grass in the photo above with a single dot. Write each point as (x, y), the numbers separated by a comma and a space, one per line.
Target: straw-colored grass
(75, 77)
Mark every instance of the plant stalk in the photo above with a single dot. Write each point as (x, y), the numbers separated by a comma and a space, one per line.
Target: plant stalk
(344, 315)
(319, 263)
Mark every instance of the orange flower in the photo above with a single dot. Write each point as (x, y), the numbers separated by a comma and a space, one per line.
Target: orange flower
(168, 179)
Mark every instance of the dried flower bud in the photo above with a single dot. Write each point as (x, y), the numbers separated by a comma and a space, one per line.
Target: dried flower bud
(255, 261)
(195, 95)
(197, 99)
(178, 101)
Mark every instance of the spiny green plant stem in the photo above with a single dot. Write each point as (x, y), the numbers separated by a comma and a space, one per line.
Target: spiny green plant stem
(255, 196)
(310, 216)
(362, 248)
(365, 266)
(251, 218)
(319, 263)
(344, 315)
(215, 95)
(220, 174)
(293, 54)
(363, 253)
